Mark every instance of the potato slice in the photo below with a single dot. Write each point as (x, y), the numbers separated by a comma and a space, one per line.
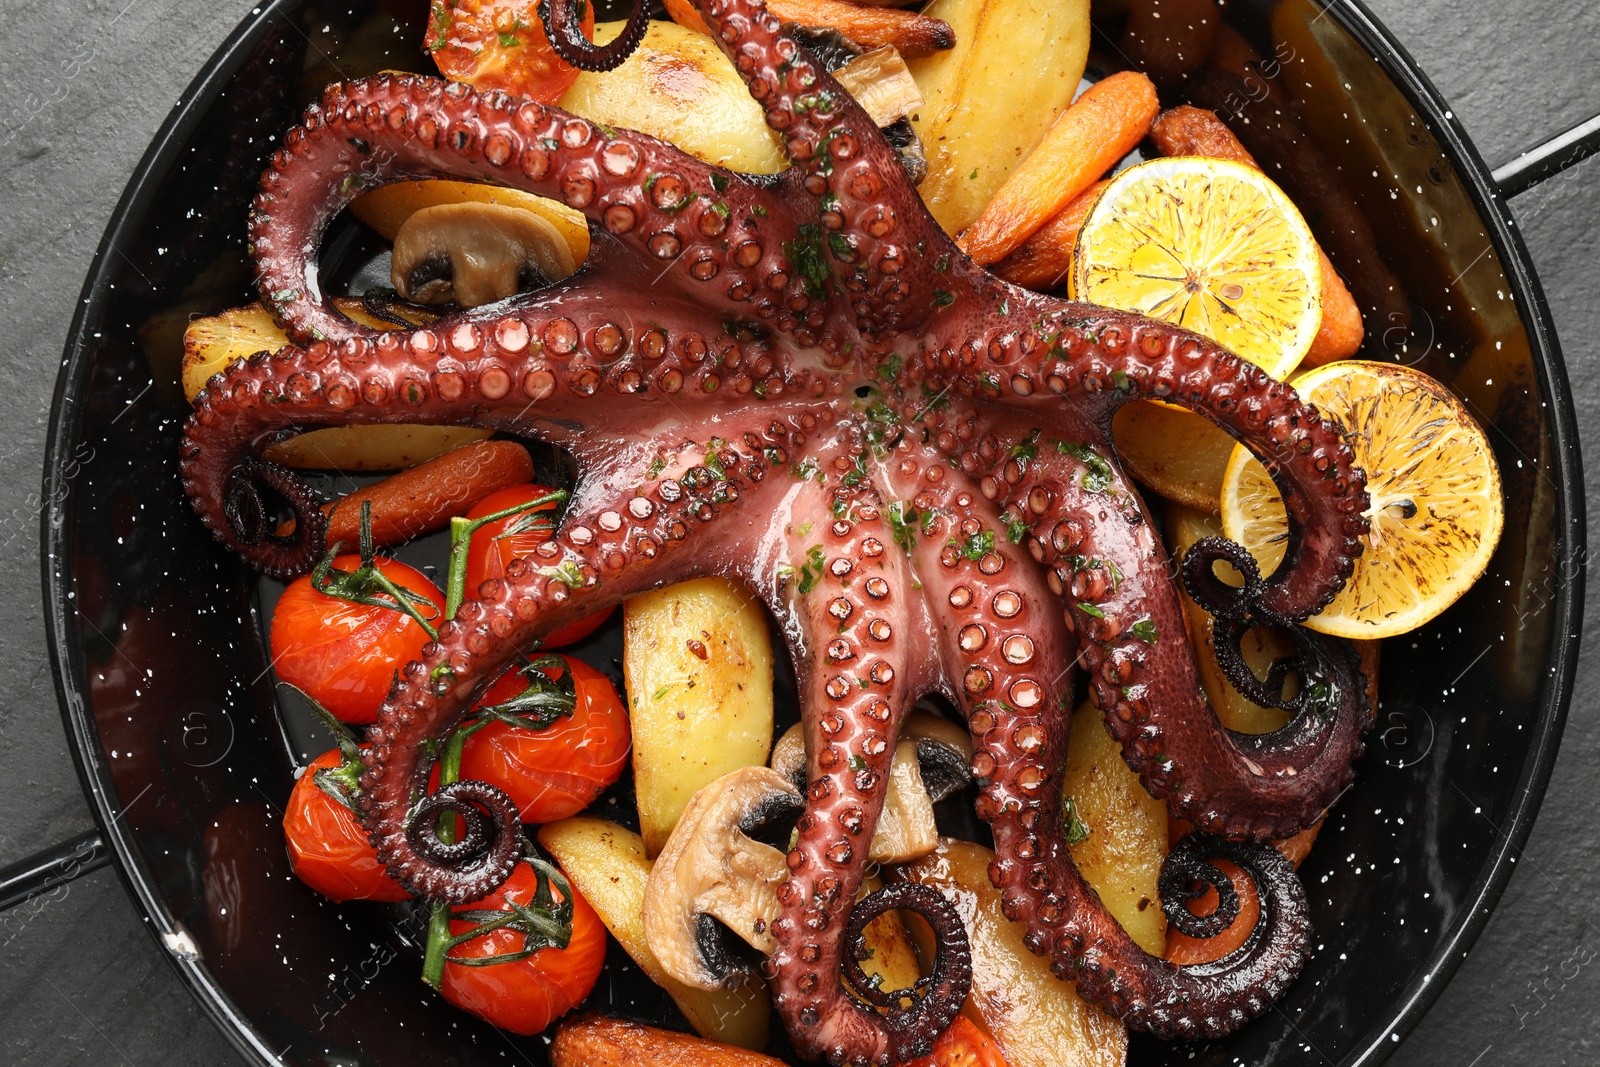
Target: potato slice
(678, 86)
(698, 663)
(892, 958)
(1015, 67)
(1175, 452)
(608, 865)
(1037, 1019)
(1260, 646)
(387, 208)
(211, 344)
(1126, 827)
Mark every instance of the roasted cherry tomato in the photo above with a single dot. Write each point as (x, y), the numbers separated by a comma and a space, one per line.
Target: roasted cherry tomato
(345, 654)
(500, 44)
(523, 996)
(963, 1045)
(327, 847)
(559, 769)
(496, 544)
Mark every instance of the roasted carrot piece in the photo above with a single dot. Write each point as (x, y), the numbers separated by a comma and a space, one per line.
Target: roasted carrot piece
(1101, 126)
(913, 35)
(423, 498)
(1044, 260)
(595, 1041)
(1193, 131)
(1186, 951)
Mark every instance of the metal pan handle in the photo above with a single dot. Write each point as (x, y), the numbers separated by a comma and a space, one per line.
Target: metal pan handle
(1548, 159)
(53, 866)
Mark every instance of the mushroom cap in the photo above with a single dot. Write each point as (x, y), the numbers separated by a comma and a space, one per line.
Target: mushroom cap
(474, 253)
(711, 870)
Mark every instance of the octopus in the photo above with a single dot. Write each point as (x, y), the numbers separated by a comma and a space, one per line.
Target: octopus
(801, 383)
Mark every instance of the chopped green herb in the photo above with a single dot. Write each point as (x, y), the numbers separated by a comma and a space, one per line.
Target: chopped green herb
(943, 299)
(1090, 609)
(902, 521)
(719, 181)
(811, 569)
(977, 546)
(1016, 529)
(1145, 630)
(857, 763)
(508, 40)
(806, 469)
(1097, 475)
(657, 465)
(1077, 832)
(1026, 449)
(889, 369)
(805, 253)
(804, 528)
(857, 472)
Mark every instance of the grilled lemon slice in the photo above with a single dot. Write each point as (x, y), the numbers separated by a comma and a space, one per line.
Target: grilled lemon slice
(1436, 510)
(1209, 245)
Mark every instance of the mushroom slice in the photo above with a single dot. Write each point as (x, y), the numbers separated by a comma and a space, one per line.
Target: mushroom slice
(475, 253)
(944, 752)
(789, 756)
(931, 761)
(712, 871)
(881, 84)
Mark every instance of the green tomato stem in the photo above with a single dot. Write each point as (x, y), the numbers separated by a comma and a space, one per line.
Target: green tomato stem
(461, 531)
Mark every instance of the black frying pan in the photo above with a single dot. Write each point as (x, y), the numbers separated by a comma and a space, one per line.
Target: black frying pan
(185, 753)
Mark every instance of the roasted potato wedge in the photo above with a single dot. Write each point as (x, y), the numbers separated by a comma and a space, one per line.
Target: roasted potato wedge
(698, 663)
(608, 865)
(1015, 67)
(892, 958)
(680, 87)
(211, 344)
(1037, 1019)
(1121, 829)
(1175, 452)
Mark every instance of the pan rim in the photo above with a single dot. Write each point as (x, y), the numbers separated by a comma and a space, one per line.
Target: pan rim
(1482, 896)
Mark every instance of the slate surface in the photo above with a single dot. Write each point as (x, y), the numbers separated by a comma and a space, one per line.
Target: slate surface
(83, 87)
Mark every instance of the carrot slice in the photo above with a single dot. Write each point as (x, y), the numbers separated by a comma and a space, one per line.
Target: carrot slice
(1101, 126)
(913, 35)
(423, 498)
(1193, 131)
(1186, 951)
(1044, 260)
(595, 1041)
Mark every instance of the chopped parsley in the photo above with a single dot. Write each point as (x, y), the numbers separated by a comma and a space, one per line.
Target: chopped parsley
(811, 569)
(805, 253)
(1145, 630)
(1077, 832)
(1097, 475)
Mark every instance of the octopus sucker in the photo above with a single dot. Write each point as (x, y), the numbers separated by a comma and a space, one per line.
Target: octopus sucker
(909, 460)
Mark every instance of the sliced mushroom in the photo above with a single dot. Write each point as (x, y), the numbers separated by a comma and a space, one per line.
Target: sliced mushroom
(930, 763)
(475, 253)
(713, 872)
(881, 84)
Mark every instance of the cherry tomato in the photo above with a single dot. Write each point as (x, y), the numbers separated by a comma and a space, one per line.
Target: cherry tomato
(963, 1045)
(344, 654)
(491, 551)
(500, 44)
(328, 850)
(556, 771)
(524, 996)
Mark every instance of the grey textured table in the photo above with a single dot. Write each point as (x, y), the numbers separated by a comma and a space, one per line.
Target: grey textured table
(87, 82)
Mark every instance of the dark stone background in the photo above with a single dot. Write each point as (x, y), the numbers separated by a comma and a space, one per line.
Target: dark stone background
(84, 84)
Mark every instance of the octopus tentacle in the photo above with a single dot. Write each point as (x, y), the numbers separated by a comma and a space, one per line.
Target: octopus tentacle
(1110, 571)
(593, 561)
(856, 670)
(561, 25)
(1010, 652)
(1102, 359)
(660, 203)
(876, 239)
